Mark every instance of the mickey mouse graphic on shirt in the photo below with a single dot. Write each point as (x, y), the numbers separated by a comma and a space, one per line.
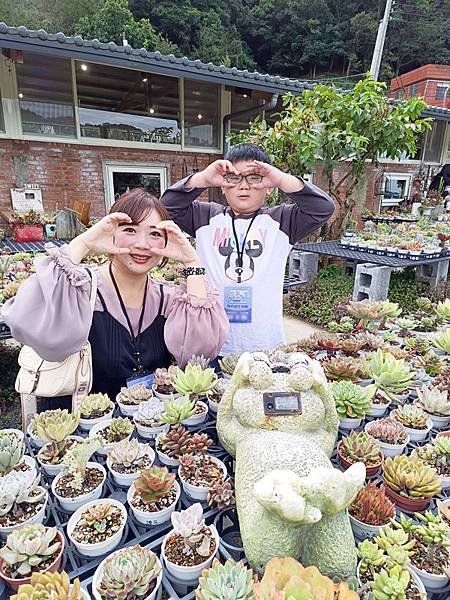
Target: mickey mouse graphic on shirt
(240, 266)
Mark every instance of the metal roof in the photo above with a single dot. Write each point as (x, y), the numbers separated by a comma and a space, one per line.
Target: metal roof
(21, 38)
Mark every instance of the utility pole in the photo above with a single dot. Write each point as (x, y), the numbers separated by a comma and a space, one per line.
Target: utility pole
(381, 36)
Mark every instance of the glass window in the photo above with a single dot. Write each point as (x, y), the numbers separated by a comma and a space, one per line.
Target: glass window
(122, 104)
(241, 100)
(44, 85)
(395, 189)
(2, 122)
(201, 114)
(434, 140)
(399, 94)
(413, 90)
(442, 90)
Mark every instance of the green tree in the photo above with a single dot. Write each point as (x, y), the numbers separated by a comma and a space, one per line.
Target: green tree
(346, 130)
(114, 19)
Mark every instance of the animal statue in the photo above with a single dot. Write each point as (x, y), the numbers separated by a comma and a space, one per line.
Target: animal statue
(290, 500)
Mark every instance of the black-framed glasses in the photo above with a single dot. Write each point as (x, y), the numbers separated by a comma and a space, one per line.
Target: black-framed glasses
(250, 179)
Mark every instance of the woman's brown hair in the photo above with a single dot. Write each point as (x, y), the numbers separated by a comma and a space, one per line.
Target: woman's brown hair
(138, 204)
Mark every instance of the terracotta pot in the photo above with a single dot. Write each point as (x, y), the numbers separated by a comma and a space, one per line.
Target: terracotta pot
(370, 471)
(15, 583)
(28, 233)
(409, 505)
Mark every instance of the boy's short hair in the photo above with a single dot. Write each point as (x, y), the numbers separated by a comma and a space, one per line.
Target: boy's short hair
(247, 152)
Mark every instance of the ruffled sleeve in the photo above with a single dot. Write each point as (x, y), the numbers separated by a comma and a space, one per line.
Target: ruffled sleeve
(194, 325)
(51, 311)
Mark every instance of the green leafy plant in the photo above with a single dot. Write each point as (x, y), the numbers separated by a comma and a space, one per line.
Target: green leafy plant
(392, 376)
(410, 477)
(154, 483)
(26, 548)
(351, 400)
(194, 380)
(49, 586)
(230, 581)
(360, 447)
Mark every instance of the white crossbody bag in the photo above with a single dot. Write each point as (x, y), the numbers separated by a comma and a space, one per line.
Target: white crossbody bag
(70, 377)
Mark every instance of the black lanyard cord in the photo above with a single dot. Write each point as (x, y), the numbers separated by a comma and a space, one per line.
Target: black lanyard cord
(240, 250)
(135, 339)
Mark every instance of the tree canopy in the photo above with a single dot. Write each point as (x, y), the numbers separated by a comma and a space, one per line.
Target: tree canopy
(309, 39)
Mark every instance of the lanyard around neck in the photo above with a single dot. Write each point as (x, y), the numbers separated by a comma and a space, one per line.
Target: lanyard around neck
(134, 338)
(240, 249)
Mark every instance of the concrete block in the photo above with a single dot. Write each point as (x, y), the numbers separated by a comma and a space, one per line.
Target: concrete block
(434, 274)
(303, 265)
(371, 282)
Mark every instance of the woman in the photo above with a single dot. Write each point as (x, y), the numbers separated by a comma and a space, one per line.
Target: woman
(137, 324)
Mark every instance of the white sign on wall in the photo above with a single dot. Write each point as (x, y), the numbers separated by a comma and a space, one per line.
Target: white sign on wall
(27, 198)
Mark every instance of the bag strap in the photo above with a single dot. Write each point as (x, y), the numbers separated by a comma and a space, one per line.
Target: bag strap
(94, 285)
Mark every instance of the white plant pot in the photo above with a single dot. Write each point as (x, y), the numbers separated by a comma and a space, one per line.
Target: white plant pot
(213, 406)
(163, 397)
(127, 410)
(188, 573)
(196, 419)
(226, 376)
(99, 548)
(200, 492)
(414, 576)
(97, 579)
(31, 463)
(377, 410)
(164, 458)
(349, 423)
(364, 531)
(37, 519)
(17, 432)
(108, 447)
(439, 422)
(87, 424)
(418, 435)
(53, 470)
(36, 441)
(157, 517)
(430, 581)
(388, 449)
(72, 504)
(150, 433)
(126, 479)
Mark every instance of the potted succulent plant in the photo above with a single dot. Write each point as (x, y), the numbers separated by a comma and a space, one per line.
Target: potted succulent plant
(352, 403)
(10, 431)
(342, 368)
(97, 527)
(416, 422)
(409, 482)
(31, 429)
(198, 471)
(12, 455)
(215, 395)
(129, 399)
(437, 455)
(191, 545)
(51, 585)
(360, 447)
(441, 341)
(221, 581)
(390, 435)
(370, 511)
(162, 384)
(435, 402)
(390, 375)
(221, 494)
(379, 403)
(112, 431)
(153, 496)
(126, 460)
(28, 226)
(149, 419)
(194, 381)
(22, 501)
(430, 556)
(32, 548)
(80, 480)
(228, 364)
(55, 427)
(171, 445)
(95, 408)
(132, 572)
(184, 411)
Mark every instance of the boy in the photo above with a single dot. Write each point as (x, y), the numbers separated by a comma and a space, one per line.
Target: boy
(244, 246)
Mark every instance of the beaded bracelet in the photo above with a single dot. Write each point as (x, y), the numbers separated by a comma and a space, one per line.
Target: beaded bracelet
(187, 271)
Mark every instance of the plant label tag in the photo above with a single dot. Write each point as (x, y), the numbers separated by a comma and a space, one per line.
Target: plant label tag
(237, 303)
(144, 377)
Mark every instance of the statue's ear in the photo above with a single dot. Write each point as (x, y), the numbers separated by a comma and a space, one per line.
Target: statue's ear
(242, 368)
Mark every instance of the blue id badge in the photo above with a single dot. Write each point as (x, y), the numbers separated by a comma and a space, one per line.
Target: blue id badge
(238, 304)
(144, 377)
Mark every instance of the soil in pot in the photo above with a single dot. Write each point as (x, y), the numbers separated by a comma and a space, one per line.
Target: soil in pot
(92, 479)
(57, 459)
(22, 512)
(346, 462)
(144, 463)
(175, 546)
(166, 390)
(431, 563)
(160, 504)
(110, 439)
(204, 472)
(86, 532)
(412, 591)
(96, 414)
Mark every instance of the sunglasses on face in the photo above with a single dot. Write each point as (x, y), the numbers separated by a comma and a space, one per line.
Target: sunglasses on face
(250, 179)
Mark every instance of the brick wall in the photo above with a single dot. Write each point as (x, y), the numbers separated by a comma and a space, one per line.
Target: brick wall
(69, 172)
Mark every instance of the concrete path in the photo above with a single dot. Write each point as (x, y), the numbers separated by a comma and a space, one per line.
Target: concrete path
(296, 329)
